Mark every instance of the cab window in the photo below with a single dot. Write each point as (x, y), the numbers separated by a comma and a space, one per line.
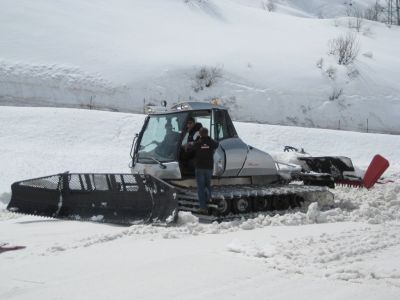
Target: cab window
(224, 128)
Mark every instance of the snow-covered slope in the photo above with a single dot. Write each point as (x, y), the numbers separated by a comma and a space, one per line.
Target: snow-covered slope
(118, 55)
(347, 252)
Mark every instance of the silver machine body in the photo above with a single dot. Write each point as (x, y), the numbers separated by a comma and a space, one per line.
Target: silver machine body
(234, 160)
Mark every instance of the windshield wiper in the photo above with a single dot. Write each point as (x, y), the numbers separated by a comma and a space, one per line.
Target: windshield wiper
(161, 164)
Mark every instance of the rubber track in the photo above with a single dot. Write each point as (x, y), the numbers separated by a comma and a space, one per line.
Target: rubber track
(188, 200)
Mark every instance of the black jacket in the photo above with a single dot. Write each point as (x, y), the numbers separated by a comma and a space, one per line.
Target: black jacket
(204, 150)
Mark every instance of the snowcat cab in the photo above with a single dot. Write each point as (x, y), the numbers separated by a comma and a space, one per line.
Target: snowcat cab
(160, 149)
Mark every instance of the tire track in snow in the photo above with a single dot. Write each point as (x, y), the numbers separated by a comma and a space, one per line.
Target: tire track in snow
(345, 256)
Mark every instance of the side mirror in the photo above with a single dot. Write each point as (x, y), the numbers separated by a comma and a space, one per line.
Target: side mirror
(133, 145)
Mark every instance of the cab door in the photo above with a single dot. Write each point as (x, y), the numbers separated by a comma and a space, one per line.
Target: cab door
(233, 151)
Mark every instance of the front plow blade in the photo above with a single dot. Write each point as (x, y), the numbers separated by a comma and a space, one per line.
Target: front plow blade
(110, 198)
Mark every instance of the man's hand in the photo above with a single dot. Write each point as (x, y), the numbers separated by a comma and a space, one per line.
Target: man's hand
(188, 146)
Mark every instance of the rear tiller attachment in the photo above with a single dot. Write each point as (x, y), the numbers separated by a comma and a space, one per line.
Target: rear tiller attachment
(342, 171)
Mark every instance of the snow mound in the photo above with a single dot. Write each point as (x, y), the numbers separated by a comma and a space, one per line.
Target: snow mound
(379, 205)
(185, 217)
(52, 76)
(56, 85)
(237, 246)
(5, 198)
(4, 213)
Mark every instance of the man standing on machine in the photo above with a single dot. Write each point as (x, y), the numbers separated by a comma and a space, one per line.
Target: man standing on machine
(204, 149)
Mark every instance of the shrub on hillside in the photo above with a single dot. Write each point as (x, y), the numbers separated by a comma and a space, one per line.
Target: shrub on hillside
(336, 93)
(345, 48)
(206, 77)
(331, 72)
(320, 63)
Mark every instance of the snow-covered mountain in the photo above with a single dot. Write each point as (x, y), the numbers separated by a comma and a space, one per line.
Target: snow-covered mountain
(270, 67)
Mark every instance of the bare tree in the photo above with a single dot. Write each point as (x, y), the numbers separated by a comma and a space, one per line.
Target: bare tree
(269, 5)
(349, 8)
(389, 12)
(393, 12)
(357, 19)
(346, 48)
(374, 12)
(336, 93)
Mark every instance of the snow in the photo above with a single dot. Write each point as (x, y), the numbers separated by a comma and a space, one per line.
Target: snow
(116, 56)
(337, 256)
(349, 251)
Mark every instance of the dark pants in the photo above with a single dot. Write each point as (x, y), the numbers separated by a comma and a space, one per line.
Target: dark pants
(203, 178)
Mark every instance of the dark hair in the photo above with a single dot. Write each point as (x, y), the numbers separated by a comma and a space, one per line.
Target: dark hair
(190, 119)
(203, 132)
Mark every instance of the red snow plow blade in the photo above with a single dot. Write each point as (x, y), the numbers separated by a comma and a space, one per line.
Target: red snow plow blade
(376, 168)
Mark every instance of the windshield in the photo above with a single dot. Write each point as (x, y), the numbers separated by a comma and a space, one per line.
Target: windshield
(161, 137)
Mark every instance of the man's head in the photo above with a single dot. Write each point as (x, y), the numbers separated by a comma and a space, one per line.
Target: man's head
(168, 127)
(203, 132)
(190, 123)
